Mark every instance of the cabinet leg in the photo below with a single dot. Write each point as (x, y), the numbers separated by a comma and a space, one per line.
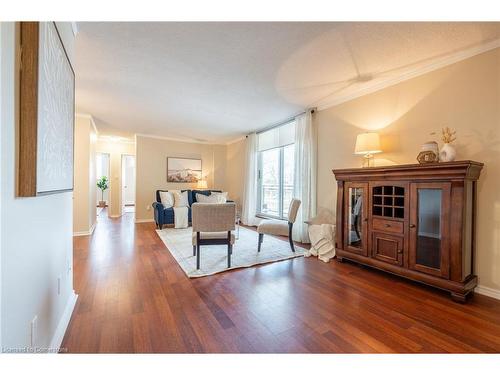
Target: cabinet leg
(457, 297)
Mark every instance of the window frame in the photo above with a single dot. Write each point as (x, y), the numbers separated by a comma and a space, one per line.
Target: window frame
(281, 183)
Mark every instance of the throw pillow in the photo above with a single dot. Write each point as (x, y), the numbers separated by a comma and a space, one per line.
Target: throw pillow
(207, 198)
(180, 198)
(222, 197)
(167, 199)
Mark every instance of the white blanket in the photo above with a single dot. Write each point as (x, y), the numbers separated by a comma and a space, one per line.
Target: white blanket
(181, 217)
(322, 241)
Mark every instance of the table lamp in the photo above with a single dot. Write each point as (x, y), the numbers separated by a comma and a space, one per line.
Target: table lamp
(367, 144)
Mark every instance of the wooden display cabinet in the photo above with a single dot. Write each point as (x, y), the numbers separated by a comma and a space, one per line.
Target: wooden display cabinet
(416, 221)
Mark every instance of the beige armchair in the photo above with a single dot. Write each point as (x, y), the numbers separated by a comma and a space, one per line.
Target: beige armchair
(280, 227)
(212, 225)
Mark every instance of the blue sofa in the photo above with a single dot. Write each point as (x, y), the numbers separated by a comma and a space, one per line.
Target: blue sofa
(164, 216)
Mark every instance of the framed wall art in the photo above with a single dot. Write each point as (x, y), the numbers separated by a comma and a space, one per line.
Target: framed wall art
(47, 111)
(184, 170)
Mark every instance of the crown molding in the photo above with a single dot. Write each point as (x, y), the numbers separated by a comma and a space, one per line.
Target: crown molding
(177, 139)
(88, 117)
(418, 71)
(190, 141)
(115, 139)
(235, 140)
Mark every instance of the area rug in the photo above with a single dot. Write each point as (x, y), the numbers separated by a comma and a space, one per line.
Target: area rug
(214, 257)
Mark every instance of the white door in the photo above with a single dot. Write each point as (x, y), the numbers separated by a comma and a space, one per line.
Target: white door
(128, 180)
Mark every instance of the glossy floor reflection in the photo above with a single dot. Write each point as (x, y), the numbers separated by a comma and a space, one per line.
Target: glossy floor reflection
(133, 297)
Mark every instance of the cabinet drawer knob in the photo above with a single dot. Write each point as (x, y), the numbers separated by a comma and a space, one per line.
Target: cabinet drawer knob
(400, 251)
(412, 225)
(387, 225)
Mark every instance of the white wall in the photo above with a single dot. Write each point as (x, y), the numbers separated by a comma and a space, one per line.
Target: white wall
(85, 189)
(35, 233)
(235, 173)
(151, 168)
(464, 96)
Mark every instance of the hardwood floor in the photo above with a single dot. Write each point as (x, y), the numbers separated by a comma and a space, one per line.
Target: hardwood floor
(133, 297)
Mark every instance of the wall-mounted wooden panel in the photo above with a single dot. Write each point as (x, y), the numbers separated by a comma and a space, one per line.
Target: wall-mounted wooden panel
(28, 105)
(46, 121)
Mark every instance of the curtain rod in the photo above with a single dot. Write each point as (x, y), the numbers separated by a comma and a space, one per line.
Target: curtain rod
(283, 122)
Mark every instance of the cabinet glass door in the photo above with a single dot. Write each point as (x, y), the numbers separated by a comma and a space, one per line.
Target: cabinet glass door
(355, 208)
(429, 250)
(429, 227)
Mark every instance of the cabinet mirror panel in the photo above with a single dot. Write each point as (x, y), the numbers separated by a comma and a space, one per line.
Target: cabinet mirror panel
(428, 249)
(355, 238)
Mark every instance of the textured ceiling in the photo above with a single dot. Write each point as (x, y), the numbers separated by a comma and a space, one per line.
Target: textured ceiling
(217, 81)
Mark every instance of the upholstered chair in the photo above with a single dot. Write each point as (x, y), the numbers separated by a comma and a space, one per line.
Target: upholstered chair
(280, 227)
(213, 225)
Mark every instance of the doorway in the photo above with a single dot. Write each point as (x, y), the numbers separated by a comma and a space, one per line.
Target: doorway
(102, 170)
(128, 183)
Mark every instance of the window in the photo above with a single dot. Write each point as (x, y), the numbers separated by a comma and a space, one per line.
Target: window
(276, 171)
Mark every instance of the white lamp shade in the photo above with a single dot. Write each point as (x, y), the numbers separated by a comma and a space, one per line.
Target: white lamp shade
(202, 184)
(367, 143)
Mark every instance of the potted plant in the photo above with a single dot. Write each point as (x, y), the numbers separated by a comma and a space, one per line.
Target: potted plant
(102, 184)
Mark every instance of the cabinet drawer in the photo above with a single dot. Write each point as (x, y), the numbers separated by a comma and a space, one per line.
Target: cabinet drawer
(388, 248)
(388, 226)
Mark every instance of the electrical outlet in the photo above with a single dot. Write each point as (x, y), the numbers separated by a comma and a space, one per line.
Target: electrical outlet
(59, 285)
(148, 208)
(34, 329)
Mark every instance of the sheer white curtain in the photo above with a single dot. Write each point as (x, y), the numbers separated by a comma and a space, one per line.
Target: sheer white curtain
(305, 174)
(249, 204)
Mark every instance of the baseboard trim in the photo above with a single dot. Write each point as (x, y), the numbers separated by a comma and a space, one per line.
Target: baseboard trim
(490, 292)
(138, 221)
(86, 233)
(58, 337)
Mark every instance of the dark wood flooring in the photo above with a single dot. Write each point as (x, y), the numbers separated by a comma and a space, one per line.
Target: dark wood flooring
(133, 297)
